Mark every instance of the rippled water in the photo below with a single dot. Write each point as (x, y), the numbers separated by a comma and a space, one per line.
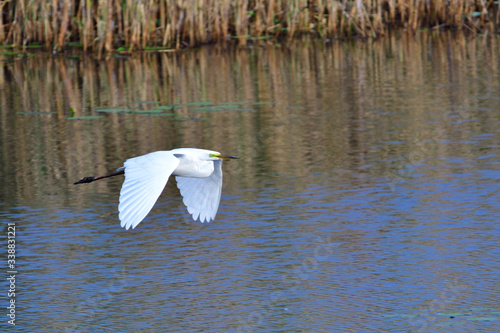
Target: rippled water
(365, 199)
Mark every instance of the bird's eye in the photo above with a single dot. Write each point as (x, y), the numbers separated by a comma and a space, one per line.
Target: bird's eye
(213, 155)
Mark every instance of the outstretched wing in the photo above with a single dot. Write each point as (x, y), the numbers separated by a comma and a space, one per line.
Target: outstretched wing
(202, 195)
(145, 179)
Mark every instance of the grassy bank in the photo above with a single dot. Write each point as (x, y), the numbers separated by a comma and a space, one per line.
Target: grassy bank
(108, 25)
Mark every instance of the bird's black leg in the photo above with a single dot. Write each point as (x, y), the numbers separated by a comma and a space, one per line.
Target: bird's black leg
(91, 179)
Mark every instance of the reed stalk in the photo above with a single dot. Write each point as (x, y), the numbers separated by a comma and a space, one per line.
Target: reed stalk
(105, 25)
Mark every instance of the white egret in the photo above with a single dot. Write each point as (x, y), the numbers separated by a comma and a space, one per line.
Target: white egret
(199, 178)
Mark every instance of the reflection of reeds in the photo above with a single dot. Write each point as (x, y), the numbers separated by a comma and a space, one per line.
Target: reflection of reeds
(105, 25)
(325, 99)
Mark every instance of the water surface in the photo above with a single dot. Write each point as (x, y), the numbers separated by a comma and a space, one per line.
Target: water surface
(365, 199)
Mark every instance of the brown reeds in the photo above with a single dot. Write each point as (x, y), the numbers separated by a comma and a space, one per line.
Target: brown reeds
(107, 25)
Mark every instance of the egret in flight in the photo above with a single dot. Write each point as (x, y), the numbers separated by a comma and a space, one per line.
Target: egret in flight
(199, 178)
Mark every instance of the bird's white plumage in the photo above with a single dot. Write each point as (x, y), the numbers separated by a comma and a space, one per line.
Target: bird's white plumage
(199, 178)
(202, 195)
(145, 178)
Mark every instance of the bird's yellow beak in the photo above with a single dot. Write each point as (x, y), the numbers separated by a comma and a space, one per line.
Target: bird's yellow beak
(226, 157)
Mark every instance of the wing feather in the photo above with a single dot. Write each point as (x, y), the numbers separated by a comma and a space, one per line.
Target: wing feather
(145, 179)
(202, 195)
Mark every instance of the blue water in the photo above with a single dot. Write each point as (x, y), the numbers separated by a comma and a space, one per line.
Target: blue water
(375, 213)
(327, 256)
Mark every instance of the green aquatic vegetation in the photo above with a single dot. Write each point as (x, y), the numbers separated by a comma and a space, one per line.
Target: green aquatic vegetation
(164, 107)
(162, 114)
(156, 48)
(453, 314)
(113, 110)
(195, 104)
(131, 110)
(12, 53)
(220, 107)
(234, 103)
(264, 103)
(75, 44)
(33, 46)
(146, 111)
(85, 117)
(184, 105)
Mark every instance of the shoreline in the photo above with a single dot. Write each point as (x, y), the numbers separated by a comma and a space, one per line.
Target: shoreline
(76, 52)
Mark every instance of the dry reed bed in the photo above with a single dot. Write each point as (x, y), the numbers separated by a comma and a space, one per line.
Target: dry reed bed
(105, 25)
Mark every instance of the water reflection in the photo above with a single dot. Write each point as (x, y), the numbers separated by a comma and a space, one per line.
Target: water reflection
(365, 199)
